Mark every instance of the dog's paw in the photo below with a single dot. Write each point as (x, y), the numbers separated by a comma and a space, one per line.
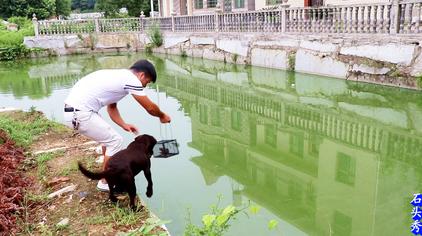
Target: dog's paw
(149, 192)
(113, 199)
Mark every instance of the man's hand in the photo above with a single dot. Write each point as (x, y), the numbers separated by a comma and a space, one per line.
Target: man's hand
(130, 128)
(165, 118)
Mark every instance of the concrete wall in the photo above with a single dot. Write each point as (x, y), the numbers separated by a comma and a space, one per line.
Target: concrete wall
(395, 61)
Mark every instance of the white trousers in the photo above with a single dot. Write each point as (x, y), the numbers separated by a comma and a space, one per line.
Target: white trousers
(93, 126)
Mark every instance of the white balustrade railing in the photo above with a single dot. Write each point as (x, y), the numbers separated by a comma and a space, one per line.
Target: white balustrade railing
(375, 18)
(397, 17)
(202, 23)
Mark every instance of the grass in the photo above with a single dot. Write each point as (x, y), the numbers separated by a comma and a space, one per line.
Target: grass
(124, 216)
(23, 127)
(67, 170)
(42, 162)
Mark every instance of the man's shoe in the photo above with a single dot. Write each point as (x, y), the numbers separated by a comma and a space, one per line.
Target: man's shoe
(103, 187)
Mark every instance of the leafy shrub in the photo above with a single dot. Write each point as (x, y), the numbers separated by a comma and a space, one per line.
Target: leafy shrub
(154, 34)
(22, 22)
(14, 52)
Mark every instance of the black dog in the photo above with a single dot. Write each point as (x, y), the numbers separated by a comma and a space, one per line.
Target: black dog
(123, 166)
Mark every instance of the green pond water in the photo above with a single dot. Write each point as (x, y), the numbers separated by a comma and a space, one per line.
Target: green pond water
(320, 156)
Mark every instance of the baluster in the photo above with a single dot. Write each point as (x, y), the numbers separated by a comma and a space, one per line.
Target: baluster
(305, 19)
(335, 20)
(373, 19)
(361, 13)
(355, 19)
(417, 18)
(234, 22)
(322, 20)
(402, 17)
(270, 21)
(408, 17)
(388, 19)
(349, 19)
(318, 20)
(290, 20)
(365, 15)
(326, 20)
(380, 19)
(370, 19)
(311, 17)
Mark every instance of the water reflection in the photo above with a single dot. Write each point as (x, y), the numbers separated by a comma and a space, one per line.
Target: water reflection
(321, 154)
(329, 157)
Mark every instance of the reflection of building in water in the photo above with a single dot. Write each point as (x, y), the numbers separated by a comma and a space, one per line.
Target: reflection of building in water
(323, 169)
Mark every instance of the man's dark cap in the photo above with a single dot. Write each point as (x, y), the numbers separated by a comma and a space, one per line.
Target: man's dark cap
(146, 67)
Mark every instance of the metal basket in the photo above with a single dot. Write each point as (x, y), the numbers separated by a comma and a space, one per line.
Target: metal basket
(166, 148)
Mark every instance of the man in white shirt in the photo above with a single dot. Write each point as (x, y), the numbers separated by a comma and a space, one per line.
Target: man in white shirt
(105, 88)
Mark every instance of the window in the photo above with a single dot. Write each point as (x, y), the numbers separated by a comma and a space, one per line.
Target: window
(296, 145)
(199, 4)
(203, 114)
(271, 135)
(211, 3)
(236, 120)
(342, 224)
(215, 117)
(239, 3)
(345, 169)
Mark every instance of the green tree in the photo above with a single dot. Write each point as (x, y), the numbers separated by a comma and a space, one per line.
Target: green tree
(109, 7)
(76, 4)
(135, 7)
(62, 7)
(42, 8)
(10, 8)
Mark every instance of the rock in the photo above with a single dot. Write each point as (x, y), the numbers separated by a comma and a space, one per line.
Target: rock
(69, 188)
(57, 180)
(69, 199)
(83, 194)
(63, 222)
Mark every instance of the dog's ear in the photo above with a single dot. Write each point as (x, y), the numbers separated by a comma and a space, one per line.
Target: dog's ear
(151, 143)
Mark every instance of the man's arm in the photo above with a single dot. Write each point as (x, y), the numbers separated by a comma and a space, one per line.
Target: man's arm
(114, 114)
(152, 108)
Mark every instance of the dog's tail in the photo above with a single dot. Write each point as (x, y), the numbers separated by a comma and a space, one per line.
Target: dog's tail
(91, 175)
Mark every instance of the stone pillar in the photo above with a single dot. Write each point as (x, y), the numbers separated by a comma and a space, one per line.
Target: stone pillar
(97, 26)
(141, 21)
(35, 22)
(151, 13)
(395, 22)
(172, 21)
(283, 15)
(217, 16)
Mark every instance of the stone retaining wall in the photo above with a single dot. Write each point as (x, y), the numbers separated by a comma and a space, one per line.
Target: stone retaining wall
(390, 60)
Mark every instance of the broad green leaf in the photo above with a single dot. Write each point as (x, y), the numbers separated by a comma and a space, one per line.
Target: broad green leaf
(207, 220)
(272, 224)
(254, 209)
